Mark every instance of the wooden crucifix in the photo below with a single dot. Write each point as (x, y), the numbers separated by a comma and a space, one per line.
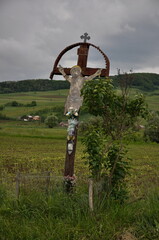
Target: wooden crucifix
(76, 75)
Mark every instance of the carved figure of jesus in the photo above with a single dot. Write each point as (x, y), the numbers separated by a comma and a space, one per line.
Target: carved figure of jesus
(74, 99)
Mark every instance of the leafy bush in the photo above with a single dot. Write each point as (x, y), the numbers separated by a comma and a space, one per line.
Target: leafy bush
(86, 125)
(1, 107)
(51, 121)
(105, 142)
(152, 128)
(32, 104)
(17, 104)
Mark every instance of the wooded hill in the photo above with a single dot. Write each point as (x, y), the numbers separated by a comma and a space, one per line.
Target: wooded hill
(33, 85)
(143, 81)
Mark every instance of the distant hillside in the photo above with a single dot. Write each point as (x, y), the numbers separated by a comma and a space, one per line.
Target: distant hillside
(143, 81)
(32, 85)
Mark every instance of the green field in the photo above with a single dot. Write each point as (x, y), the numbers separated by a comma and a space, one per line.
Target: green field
(31, 147)
(43, 99)
(55, 98)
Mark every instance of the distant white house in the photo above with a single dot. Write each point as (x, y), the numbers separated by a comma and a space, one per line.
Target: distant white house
(36, 118)
(31, 118)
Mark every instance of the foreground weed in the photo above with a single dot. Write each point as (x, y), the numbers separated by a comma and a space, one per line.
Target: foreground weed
(61, 216)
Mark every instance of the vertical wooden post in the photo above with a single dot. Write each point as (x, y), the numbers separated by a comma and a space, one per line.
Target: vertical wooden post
(17, 187)
(69, 160)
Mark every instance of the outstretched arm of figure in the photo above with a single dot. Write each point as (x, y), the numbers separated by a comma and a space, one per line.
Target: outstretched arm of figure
(97, 73)
(61, 70)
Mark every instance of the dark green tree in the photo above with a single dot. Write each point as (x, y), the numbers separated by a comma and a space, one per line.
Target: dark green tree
(105, 146)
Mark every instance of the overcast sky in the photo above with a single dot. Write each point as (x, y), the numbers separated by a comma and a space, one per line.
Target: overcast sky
(34, 32)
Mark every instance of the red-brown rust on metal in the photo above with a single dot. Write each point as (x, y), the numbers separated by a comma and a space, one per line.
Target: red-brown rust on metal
(85, 71)
(82, 53)
(82, 60)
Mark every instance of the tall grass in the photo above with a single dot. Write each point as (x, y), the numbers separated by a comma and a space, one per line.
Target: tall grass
(60, 216)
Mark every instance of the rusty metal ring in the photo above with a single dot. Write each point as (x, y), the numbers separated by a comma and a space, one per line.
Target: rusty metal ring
(107, 63)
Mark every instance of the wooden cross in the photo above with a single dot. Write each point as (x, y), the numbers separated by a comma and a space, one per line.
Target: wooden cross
(85, 37)
(82, 53)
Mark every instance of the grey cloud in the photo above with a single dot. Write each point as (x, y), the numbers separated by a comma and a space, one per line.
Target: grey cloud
(34, 32)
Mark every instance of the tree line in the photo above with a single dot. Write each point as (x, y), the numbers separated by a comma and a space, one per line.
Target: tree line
(32, 85)
(143, 81)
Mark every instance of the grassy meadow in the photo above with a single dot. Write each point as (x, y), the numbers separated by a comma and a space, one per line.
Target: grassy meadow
(31, 147)
(43, 99)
